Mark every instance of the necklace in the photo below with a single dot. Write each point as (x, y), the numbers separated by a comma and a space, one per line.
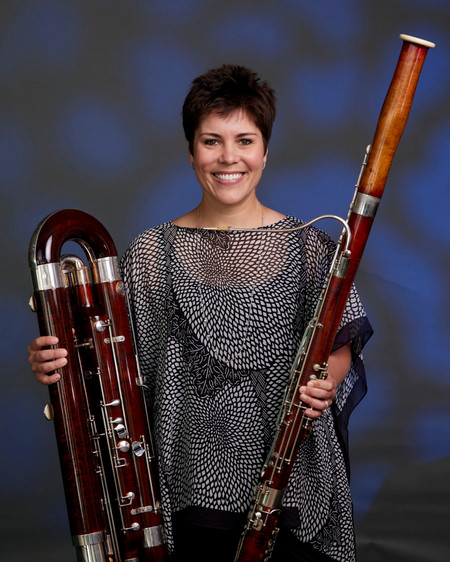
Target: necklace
(218, 240)
(221, 228)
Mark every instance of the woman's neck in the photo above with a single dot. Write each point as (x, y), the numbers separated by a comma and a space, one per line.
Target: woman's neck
(206, 216)
(250, 215)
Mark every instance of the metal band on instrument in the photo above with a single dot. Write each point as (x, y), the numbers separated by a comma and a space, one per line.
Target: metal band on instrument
(366, 205)
(90, 547)
(342, 267)
(271, 497)
(48, 276)
(91, 538)
(153, 536)
(107, 270)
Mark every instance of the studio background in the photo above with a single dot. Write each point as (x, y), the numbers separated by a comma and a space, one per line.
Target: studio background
(91, 95)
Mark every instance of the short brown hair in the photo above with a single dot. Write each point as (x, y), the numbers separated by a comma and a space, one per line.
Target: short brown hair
(225, 89)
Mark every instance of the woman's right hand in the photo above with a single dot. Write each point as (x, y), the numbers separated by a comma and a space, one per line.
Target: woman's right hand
(45, 361)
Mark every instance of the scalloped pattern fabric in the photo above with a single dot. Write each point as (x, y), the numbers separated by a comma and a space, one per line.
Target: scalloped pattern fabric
(219, 316)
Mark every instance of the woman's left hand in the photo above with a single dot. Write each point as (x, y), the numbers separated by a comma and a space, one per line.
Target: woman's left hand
(319, 394)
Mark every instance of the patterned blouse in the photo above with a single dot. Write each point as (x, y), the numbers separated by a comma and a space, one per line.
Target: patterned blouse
(219, 316)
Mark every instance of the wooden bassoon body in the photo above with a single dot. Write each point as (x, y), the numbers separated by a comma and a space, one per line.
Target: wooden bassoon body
(259, 535)
(97, 407)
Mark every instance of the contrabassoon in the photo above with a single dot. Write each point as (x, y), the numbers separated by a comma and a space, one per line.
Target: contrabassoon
(98, 405)
(259, 535)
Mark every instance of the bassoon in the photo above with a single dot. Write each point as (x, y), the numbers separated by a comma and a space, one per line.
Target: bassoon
(98, 405)
(293, 426)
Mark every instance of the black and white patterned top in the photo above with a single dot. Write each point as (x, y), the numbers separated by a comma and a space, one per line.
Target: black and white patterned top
(219, 316)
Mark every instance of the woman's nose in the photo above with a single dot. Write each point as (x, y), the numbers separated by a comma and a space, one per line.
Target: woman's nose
(229, 153)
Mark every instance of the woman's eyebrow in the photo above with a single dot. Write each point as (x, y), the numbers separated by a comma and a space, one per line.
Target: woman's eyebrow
(218, 135)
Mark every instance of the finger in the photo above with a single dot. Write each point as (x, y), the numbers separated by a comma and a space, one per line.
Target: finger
(313, 414)
(47, 373)
(50, 366)
(48, 379)
(44, 355)
(315, 406)
(42, 341)
(315, 403)
(318, 393)
(326, 384)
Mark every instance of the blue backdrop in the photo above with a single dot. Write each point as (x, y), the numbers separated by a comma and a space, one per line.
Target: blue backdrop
(91, 93)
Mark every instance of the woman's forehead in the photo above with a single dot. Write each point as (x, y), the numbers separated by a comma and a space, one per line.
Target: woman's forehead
(236, 119)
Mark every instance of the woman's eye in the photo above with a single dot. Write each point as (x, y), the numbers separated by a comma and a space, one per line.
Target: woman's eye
(245, 142)
(211, 142)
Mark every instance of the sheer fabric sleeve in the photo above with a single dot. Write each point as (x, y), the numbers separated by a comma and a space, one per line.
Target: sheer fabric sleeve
(143, 273)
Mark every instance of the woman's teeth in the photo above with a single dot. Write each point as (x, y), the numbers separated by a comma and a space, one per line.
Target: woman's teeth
(229, 177)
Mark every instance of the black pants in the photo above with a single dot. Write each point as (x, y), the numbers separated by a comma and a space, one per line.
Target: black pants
(203, 544)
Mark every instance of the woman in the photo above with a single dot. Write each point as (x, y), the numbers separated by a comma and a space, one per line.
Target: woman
(219, 315)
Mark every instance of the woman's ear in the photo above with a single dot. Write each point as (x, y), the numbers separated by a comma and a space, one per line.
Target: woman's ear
(191, 158)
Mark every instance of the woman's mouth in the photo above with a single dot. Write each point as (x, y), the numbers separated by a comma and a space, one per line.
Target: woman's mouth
(228, 177)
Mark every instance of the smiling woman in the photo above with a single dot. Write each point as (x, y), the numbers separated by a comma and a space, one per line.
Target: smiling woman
(227, 117)
(228, 157)
(220, 313)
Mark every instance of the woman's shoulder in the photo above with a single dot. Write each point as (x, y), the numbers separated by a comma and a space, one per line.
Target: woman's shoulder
(152, 234)
(150, 241)
(307, 229)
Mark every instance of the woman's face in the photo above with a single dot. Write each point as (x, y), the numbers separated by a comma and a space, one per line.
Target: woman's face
(228, 157)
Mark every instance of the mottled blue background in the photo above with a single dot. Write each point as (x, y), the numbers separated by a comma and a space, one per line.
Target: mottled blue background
(91, 92)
